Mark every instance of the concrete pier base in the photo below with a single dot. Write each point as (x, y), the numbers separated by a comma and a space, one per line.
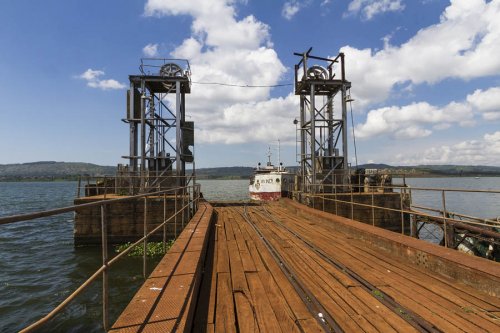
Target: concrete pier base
(126, 219)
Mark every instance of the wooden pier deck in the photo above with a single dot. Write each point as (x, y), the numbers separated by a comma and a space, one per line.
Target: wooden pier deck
(283, 267)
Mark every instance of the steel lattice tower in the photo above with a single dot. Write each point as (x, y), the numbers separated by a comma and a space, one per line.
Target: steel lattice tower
(160, 136)
(323, 137)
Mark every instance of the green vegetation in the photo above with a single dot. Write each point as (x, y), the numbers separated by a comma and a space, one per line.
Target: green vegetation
(437, 170)
(377, 293)
(468, 309)
(153, 249)
(224, 173)
(54, 171)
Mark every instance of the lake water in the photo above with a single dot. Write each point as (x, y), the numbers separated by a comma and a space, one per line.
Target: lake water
(40, 266)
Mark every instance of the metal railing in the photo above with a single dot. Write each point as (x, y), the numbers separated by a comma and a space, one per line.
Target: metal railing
(417, 215)
(128, 184)
(189, 197)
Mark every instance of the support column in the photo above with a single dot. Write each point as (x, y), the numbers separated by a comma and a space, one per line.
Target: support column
(303, 141)
(312, 105)
(178, 135)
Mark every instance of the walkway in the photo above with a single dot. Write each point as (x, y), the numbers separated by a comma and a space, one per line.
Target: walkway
(285, 268)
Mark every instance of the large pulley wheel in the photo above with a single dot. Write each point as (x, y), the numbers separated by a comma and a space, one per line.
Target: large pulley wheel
(171, 70)
(317, 73)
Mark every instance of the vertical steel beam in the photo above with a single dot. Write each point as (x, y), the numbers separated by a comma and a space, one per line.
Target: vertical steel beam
(143, 135)
(345, 166)
(183, 119)
(164, 225)
(330, 134)
(178, 134)
(445, 224)
(151, 128)
(303, 140)
(133, 129)
(145, 242)
(176, 213)
(401, 194)
(105, 273)
(312, 105)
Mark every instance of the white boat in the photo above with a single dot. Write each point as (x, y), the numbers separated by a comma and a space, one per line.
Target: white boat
(270, 182)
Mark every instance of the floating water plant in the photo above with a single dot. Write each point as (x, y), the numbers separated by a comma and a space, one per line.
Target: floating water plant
(153, 249)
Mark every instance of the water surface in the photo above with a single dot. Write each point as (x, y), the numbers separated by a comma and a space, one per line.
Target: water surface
(40, 266)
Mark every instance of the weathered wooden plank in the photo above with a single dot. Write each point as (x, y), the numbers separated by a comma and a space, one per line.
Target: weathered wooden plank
(224, 314)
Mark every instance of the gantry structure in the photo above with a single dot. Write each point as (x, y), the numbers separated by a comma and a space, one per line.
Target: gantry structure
(160, 136)
(322, 130)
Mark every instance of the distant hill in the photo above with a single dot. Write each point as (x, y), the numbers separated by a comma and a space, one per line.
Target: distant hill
(49, 170)
(224, 173)
(438, 170)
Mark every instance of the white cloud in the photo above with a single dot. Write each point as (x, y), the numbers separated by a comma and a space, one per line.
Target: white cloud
(91, 75)
(150, 50)
(414, 120)
(249, 122)
(487, 102)
(234, 51)
(290, 8)
(93, 80)
(106, 84)
(485, 151)
(419, 119)
(371, 8)
(462, 45)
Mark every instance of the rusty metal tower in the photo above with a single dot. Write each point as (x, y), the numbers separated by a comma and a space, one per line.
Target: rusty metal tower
(323, 131)
(160, 137)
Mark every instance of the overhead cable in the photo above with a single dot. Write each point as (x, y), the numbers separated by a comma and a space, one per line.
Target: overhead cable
(243, 85)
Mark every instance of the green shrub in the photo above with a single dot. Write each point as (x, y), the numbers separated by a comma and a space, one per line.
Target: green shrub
(153, 249)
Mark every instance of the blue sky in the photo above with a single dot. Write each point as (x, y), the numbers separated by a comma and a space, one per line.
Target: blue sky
(425, 75)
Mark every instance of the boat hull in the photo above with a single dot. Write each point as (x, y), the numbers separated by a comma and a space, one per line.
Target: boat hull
(270, 186)
(265, 196)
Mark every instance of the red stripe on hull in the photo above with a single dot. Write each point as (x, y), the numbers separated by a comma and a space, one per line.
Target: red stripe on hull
(265, 196)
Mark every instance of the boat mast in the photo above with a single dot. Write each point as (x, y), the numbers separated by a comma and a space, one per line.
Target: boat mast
(269, 156)
(279, 155)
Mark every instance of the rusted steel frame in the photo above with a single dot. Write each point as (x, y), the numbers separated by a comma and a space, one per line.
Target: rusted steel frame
(433, 189)
(373, 210)
(79, 186)
(352, 204)
(164, 225)
(145, 237)
(461, 225)
(421, 213)
(335, 189)
(402, 213)
(492, 222)
(105, 187)
(409, 316)
(445, 226)
(175, 209)
(327, 322)
(132, 184)
(183, 198)
(105, 272)
(449, 221)
(128, 249)
(91, 279)
(446, 189)
(56, 211)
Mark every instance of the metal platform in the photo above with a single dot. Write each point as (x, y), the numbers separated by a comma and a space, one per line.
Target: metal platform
(284, 267)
